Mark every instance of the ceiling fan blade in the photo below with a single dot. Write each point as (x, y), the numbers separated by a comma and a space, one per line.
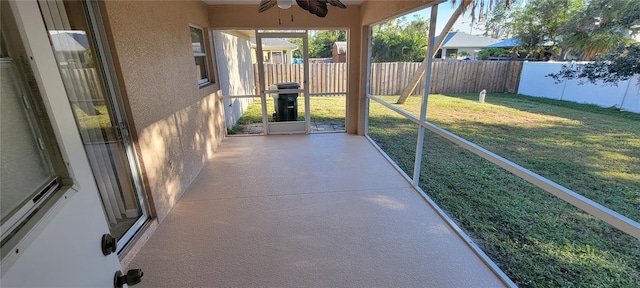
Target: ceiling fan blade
(266, 5)
(304, 4)
(336, 3)
(317, 7)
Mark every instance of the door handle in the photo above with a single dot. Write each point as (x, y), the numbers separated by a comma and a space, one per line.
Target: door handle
(109, 244)
(133, 277)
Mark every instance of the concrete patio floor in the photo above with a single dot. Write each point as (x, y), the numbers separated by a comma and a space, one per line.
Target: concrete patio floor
(324, 210)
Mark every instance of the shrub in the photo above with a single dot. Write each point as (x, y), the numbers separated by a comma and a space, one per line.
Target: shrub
(484, 54)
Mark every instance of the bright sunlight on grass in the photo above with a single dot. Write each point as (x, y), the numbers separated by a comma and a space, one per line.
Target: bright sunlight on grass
(591, 150)
(322, 109)
(536, 238)
(97, 125)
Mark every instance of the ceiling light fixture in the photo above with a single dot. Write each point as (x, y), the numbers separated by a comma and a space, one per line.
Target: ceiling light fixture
(285, 4)
(316, 7)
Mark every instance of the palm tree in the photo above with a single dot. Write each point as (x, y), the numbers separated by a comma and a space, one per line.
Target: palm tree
(601, 27)
(589, 46)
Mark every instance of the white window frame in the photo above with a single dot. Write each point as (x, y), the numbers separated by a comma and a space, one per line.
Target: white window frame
(207, 79)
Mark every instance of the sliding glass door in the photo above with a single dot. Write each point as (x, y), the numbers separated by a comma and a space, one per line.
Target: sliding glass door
(83, 63)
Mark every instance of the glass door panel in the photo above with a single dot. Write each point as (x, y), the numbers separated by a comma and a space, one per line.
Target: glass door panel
(98, 114)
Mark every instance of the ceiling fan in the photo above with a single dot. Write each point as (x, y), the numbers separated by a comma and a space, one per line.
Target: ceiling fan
(317, 7)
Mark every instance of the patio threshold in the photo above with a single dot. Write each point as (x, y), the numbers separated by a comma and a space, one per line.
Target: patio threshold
(323, 210)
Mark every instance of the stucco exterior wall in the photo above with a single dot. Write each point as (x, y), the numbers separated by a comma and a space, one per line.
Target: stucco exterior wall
(372, 12)
(235, 70)
(177, 125)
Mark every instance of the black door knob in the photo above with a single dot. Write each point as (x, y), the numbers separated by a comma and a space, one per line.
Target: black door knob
(133, 277)
(109, 244)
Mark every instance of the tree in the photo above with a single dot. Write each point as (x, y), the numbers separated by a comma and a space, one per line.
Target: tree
(496, 21)
(321, 43)
(447, 28)
(298, 52)
(618, 65)
(486, 53)
(400, 40)
(537, 24)
(601, 26)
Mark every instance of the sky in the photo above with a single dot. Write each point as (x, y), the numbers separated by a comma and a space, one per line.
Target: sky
(444, 13)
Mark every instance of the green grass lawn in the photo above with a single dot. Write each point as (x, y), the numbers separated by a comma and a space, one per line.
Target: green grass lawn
(332, 108)
(94, 126)
(536, 238)
(591, 150)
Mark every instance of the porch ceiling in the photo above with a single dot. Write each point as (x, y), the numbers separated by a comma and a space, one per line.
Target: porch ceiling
(306, 211)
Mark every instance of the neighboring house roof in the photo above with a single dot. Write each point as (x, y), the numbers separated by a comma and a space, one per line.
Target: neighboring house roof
(69, 41)
(513, 42)
(464, 40)
(341, 47)
(274, 43)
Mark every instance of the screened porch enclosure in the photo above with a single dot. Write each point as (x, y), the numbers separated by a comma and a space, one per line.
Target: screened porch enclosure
(252, 82)
(330, 212)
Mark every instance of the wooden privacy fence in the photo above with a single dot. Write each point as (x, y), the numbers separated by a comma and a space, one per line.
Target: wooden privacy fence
(392, 78)
(447, 77)
(473, 76)
(324, 77)
(85, 89)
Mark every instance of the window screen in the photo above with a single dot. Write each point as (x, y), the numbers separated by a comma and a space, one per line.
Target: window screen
(27, 172)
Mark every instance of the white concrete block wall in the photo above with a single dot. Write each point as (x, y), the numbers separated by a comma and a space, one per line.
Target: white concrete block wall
(631, 102)
(601, 95)
(534, 82)
(235, 73)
